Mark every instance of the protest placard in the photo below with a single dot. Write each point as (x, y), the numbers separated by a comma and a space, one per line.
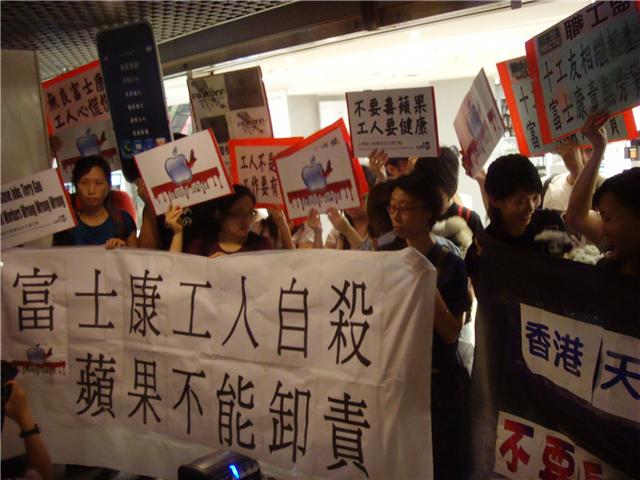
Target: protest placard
(77, 113)
(150, 359)
(184, 172)
(320, 172)
(233, 105)
(402, 122)
(34, 207)
(587, 62)
(478, 124)
(252, 165)
(518, 91)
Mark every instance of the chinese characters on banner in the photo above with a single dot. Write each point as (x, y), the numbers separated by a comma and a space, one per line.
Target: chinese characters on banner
(478, 124)
(34, 207)
(402, 122)
(184, 172)
(320, 172)
(566, 351)
(158, 352)
(252, 165)
(525, 450)
(77, 112)
(587, 62)
(233, 105)
(518, 91)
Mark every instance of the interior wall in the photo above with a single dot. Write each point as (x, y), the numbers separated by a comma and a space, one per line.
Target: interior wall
(304, 117)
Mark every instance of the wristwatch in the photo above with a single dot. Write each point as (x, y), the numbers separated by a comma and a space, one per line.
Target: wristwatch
(34, 431)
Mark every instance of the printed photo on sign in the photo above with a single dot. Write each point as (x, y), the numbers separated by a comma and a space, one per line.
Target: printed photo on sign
(319, 173)
(587, 62)
(561, 349)
(402, 122)
(478, 124)
(34, 207)
(518, 91)
(253, 166)
(184, 172)
(94, 138)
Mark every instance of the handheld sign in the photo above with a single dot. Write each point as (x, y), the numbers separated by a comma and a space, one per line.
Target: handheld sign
(233, 105)
(478, 124)
(184, 172)
(77, 113)
(518, 91)
(587, 62)
(34, 207)
(252, 165)
(320, 172)
(402, 122)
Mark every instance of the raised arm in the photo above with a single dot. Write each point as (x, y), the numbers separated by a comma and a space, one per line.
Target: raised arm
(341, 224)
(149, 236)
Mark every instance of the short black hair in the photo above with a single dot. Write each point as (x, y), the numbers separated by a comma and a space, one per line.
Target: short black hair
(223, 205)
(444, 169)
(82, 167)
(625, 186)
(511, 173)
(377, 203)
(423, 189)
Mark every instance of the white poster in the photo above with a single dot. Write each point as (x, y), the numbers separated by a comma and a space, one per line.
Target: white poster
(402, 122)
(184, 172)
(319, 173)
(478, 124)
(34, 207)
(146, 360)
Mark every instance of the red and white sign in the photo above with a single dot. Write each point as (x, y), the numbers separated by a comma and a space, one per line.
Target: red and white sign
(402, 122)
(34, 207)
(77, 113)
(478, 124)
(518, 91)
(589, 61)
(320, 172)
(252, 165)
(184, 172)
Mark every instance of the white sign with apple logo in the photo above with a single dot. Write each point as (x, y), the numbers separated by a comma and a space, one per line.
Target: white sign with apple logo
(184, 172)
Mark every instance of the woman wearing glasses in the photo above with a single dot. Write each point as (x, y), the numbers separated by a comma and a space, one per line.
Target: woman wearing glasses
(232, 217)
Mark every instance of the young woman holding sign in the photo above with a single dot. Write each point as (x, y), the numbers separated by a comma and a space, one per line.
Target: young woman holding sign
(99, 221)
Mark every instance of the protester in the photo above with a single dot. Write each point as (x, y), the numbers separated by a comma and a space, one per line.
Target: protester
(385, 167)
(276, 228)
(229, 230)
(380, 228)
(99, 222)
(414, 207)
(39, 466)
(349, 229)
(615, 222)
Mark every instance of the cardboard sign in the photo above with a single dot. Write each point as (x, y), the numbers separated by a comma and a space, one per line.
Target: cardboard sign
(34, 207)
(402, 122)
(184, 172)
(233, 105)
(155, 359)
(77, 113)
(320, 172)
(252, 165)
(478, 124)
(518, 91)
(587, 62)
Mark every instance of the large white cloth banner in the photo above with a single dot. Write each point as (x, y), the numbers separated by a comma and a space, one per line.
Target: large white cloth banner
(315, 363)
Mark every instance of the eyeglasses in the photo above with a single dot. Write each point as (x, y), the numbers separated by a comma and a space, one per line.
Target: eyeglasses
(242, 215)
(392, 209)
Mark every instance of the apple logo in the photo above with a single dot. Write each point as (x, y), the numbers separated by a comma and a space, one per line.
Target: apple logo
(177, 167)
(315, 176)
(36, 355)
(89, 143)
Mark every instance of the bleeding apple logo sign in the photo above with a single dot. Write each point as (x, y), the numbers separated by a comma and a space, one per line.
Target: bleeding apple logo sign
(38, 362)
(89, 144)
(187, 178)
(315, 175)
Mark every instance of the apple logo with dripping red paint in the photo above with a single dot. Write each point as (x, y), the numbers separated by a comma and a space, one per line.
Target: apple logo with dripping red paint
(178, 168)
(315, 176)
(89, 143)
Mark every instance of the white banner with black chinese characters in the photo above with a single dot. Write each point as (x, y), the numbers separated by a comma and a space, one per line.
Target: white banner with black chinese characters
(597, 365)
(34, 207)
(77, 112)
(587, 62)
(526, 450)
(402, 122)
(518, 92)
(315, 363)
(478, 124)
